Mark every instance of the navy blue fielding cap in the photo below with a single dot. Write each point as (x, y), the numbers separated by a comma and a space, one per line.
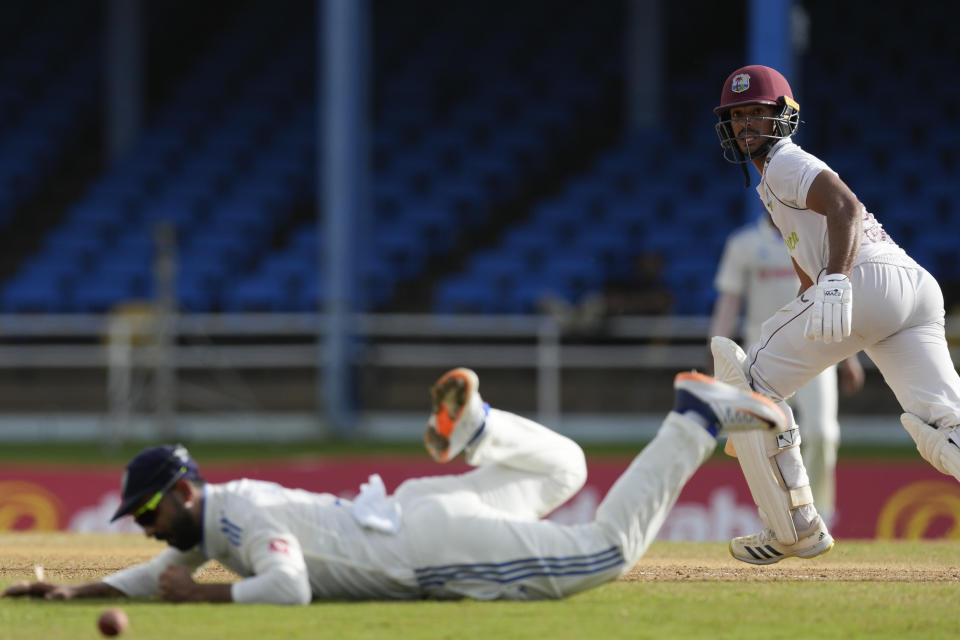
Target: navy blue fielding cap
(152, 470)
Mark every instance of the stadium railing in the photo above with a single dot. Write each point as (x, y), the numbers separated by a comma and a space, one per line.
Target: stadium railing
(120, 344)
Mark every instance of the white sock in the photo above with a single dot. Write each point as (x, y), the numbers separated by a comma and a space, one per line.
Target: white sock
(804, 516)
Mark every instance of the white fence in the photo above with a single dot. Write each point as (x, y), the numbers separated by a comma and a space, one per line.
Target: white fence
(121, 344)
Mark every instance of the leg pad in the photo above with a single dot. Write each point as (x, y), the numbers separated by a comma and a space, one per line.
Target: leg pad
(755, 451)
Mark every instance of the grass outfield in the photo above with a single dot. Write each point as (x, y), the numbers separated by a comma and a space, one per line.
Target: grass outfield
(679, 590)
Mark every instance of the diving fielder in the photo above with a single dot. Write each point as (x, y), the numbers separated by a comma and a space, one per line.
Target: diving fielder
(859, 291)
(476, 535)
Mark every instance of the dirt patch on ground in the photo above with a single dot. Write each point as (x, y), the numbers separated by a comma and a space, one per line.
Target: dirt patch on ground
(79, 557)
(793, 570)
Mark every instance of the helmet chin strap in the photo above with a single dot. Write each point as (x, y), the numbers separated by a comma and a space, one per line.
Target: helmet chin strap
(743, 165)
(762, 151)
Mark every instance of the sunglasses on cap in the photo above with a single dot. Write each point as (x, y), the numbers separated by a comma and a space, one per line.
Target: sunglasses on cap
(146, 514)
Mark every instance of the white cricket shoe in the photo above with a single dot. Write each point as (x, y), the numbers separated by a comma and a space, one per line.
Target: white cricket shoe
(458, 414)
(724, 407)
(764, 548)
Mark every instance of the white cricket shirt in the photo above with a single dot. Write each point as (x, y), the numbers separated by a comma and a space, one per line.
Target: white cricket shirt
(289, 546)
(787, 175)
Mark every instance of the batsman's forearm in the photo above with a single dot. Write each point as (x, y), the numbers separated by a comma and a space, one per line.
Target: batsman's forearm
(844, 229)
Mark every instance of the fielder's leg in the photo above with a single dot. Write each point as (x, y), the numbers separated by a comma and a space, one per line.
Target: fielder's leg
(524, 469)
(664, 466)
(460, 549)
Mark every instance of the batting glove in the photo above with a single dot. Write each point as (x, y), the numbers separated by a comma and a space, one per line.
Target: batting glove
(832, 312)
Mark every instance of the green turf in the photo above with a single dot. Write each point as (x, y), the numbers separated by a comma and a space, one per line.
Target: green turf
(620, 610)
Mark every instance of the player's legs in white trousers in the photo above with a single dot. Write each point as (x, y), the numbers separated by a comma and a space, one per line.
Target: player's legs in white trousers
(898, 321)
(524, 469)
(816, 402)
(482, 545)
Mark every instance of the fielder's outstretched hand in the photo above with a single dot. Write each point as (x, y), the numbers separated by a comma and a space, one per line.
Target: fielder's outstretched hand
(46, 590)
(831, 315)
(176, 584)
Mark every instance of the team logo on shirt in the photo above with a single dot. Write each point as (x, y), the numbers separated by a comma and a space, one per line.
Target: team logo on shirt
(740, 82)
(233, 532)
(792, 240)
(279, 545)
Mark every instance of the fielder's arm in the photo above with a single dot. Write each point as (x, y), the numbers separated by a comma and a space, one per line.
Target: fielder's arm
(53, 591)
(176, 584)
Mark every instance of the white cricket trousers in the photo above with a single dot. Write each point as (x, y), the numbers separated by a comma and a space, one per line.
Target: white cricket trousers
(898, 320)
(478, 534)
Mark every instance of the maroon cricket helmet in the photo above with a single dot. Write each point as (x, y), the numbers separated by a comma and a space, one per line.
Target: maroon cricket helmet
(756, 84)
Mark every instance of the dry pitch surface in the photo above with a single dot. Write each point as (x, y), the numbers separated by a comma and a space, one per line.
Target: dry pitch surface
(681, 591)
(847, 562)
(80, 557)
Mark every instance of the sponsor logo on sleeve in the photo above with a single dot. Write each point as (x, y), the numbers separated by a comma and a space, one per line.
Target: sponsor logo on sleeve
(279, 545)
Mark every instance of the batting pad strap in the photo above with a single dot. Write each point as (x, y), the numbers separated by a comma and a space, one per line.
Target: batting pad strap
(800, 496)
(755, 451)
(785, 440)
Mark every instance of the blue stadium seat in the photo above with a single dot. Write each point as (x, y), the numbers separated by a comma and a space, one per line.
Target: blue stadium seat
(33, 295)
(464, 294)
(258, 293)
(193, 296)
(528, 295)
(499, 269)
(402, 248)
(100, 295)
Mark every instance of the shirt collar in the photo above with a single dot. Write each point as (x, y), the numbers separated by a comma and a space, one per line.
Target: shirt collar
(781, 143)
(203, 518)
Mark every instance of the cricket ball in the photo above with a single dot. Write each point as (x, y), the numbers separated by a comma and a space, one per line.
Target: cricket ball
(112, 622)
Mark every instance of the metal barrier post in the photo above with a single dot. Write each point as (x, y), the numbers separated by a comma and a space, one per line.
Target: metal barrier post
(119, 377)
(548, 372)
